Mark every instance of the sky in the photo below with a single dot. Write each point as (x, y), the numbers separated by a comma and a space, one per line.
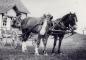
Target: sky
(58, 8)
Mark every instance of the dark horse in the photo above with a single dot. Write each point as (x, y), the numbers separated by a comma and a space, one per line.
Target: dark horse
(37, 26)
(60, 27)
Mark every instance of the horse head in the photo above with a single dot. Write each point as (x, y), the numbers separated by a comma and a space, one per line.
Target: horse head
(72, 21)
(69, 21)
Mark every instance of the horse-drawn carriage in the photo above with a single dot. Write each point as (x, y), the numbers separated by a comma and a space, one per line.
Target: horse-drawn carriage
(43, 27)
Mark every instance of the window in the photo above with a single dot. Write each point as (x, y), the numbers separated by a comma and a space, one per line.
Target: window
(4, 21)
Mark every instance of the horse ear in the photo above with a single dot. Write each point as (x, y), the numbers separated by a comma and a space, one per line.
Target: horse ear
(74, 13)
(51, 17)
(70, 13)
(44, 16)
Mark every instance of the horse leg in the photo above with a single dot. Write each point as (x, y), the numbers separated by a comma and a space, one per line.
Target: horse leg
(45, 43)
(59, 45)
(37, 45)
(24, 46)
(55, 41)
(24, 39)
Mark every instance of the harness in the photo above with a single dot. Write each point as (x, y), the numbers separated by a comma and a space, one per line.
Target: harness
(59, 25)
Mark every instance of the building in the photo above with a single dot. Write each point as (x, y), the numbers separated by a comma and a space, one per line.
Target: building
(11, 8)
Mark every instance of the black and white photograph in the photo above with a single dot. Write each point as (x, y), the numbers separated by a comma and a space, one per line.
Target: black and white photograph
(42, 30)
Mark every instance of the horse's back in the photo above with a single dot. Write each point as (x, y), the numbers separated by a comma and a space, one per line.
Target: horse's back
(30, 22)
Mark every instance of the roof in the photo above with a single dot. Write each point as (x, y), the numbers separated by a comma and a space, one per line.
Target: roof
(6, 5)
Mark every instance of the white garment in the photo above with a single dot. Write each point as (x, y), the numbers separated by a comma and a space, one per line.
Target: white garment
(43, 30)
(0, 23)
(24, 46)
(8, 26)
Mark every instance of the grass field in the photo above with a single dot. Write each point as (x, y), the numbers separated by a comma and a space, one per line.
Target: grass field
(73, 48)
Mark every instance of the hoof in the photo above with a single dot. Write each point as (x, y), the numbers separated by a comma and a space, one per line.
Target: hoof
(53, 54)
(45, 54)
(58, 52)
(24, 51)
(61, 53)
(37, 54)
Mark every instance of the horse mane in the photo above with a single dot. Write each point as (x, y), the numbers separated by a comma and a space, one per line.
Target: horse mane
(61, 19)
(58, 20)
(65, 17)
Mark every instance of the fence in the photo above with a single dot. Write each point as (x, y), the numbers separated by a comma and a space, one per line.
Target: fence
(8, 37)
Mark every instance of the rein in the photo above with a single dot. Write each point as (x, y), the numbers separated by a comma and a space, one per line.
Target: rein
(55, 23)
(68, 36)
